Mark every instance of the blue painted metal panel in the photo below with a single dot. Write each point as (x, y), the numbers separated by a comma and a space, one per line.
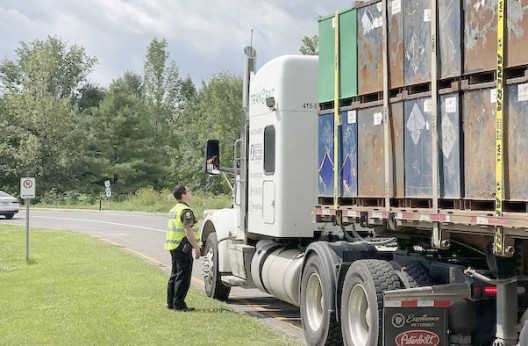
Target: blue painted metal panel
(450, 147)
(418, 148)
(417, 41)
(349, 154)
(325, 154)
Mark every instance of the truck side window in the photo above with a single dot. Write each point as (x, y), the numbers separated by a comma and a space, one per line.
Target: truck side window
(269, 150)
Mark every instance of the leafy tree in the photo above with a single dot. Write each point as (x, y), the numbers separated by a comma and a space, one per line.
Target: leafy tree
(47, 65)
(310, 45)
(89, 96)
(36, 113)
(166, 96)
(162, 85)
(215, 113)
(123, 137)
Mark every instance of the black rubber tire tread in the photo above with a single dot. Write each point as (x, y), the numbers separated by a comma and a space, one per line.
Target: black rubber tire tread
(377, 276)
(330, 331)
(417, 275)
(217, 290)
(9, 216)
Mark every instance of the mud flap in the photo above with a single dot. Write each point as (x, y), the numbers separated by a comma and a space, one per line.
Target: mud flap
(406, 323)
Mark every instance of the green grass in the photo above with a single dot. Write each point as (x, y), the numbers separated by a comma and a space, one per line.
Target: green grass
(146, 199)
(77, 290)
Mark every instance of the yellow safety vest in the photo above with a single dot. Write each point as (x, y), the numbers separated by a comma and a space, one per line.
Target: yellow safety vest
(175, 228)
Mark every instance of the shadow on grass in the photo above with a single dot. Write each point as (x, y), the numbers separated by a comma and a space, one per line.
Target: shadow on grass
(31, 261)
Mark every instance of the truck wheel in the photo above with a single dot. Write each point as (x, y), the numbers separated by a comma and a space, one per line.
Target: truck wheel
(362, 301)
(214, 287)
(317, 314)
(414, 273)
(9, 216)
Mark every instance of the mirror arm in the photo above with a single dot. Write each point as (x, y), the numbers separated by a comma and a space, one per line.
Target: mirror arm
(228, 170)
(228, 182)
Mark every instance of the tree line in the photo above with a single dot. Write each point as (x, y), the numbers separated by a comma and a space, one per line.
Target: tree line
(143, 130)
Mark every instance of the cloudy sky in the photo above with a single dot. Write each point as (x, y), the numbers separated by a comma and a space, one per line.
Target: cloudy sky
(204, 37)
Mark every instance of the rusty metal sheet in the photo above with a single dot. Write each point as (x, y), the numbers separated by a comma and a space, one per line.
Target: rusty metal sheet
(370, 48)
(516, 143)
(517, 45)
(479, 144)
(371, 161)
(396, 51)
(371, 157)
(480, 35)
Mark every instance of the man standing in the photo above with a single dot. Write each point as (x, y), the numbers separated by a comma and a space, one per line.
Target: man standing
(180, 240)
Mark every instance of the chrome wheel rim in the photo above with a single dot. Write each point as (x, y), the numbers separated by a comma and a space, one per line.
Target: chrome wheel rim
(208, 268)
(314, 302)
(358, 316)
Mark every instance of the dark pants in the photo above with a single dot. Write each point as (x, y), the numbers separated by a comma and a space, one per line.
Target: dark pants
(180, 278)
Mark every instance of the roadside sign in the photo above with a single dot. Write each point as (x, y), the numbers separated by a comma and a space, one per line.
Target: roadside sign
(108, 192)
(27, 187)
(27, 191)
(107, 183)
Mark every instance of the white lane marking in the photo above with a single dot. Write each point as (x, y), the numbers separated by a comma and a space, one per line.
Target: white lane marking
(105, 222)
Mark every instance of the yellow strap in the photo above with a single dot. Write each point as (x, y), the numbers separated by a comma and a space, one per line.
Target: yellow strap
(336, 109)
(499, 140)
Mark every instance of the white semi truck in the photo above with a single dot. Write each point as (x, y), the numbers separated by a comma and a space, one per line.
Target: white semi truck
(362, 273)
(384, 284)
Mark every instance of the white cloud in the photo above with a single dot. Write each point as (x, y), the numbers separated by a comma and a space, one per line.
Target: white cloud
(204, 36)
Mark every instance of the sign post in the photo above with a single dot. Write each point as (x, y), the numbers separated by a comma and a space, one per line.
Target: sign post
(27, 191)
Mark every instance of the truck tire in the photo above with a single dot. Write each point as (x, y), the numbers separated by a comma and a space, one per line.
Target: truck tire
(214, 287)
(317, 314)
(414, 274)
(362, 301)
(9, 216)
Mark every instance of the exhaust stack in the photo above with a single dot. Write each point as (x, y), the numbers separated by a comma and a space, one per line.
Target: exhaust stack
(249, 67)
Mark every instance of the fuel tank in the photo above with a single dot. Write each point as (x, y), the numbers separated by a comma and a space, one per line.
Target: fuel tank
(277, 271)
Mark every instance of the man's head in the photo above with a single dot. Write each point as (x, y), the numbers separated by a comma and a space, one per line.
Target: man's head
(182, 193)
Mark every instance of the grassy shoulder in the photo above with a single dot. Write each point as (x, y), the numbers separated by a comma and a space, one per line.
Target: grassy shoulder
(78, 290)
(146, 199)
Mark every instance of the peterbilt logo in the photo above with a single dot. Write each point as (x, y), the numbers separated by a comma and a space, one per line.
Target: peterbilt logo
(417, 337)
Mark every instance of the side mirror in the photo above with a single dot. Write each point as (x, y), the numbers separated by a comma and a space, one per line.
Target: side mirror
(212, 157)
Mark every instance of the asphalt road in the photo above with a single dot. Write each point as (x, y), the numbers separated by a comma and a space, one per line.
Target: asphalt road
(143, 235)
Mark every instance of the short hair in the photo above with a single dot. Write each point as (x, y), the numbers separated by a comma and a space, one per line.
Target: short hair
(178, 191)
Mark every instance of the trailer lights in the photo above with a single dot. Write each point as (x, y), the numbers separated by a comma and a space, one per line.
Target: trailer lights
(490, 290)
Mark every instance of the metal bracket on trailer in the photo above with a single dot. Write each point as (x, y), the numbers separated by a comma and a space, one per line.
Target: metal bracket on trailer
(441, 238)
(503, 245)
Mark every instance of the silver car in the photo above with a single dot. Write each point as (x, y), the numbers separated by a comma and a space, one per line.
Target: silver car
(8, 205)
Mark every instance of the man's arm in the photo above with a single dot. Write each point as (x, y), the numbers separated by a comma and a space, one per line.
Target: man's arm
(190, 237)
(188, 221)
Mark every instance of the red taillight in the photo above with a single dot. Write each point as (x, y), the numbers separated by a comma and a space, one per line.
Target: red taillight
(490, 290)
